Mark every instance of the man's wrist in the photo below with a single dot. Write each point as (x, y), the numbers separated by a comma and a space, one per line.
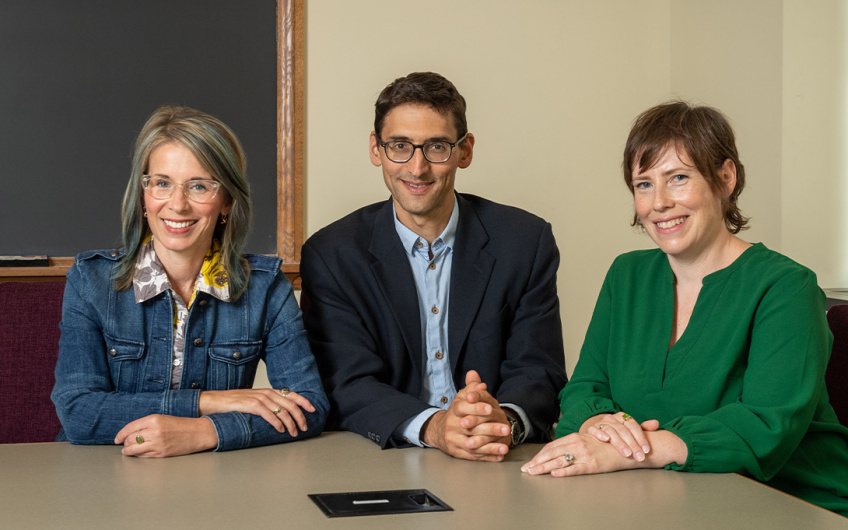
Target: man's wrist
(517, 430)
(429, 434)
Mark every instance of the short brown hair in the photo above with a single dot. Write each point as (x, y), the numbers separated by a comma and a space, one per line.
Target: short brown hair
(707, 138)
(422, 88)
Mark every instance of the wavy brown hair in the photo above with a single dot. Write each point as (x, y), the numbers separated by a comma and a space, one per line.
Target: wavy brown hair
(704, 134)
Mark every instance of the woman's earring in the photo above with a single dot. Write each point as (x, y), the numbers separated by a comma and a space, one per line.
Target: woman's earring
(223, 218)
(145, 211)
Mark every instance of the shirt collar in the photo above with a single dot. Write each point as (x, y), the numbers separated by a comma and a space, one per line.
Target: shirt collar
(409, 239)
(150, 278)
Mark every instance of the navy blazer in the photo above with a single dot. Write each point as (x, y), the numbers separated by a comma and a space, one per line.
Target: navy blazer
(360, 311)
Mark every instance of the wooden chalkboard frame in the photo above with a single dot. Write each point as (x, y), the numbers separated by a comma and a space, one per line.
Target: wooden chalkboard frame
(290, 95)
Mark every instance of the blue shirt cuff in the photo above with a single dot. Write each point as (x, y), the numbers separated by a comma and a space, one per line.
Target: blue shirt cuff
(528, 427)
(411, 428)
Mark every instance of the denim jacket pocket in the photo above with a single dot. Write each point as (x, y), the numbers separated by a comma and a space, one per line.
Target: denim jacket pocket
(233, 364)
(124, 358)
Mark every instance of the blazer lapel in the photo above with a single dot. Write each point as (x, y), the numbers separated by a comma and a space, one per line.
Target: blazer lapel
(471, 269)
(397, 285)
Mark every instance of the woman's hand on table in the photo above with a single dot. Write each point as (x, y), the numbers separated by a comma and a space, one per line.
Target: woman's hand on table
(280, 408)
(157, 436)
(577, 454)
(623, 432)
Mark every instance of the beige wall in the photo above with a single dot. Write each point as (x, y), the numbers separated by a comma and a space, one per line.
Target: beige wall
(552, 88)
(814, 177)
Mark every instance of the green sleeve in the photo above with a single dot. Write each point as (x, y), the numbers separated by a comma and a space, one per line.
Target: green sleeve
(587, 393)
(757, 432)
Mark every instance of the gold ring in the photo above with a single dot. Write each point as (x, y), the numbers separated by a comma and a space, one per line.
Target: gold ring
(627, 417)
(285, 391)
(277, 410)
(139, 439)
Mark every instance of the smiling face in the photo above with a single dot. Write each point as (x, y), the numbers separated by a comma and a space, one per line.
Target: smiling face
(677, 208)
(182, 229)
(422, 191)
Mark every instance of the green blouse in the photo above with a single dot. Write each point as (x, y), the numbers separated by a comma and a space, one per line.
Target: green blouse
(743, 387)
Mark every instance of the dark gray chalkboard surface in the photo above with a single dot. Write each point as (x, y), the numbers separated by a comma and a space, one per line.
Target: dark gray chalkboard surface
(79, 78)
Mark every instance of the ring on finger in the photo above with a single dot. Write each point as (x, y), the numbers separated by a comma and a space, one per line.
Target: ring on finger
(284, 391)
(277, 410)
(569, 458)
(139, 439)
(627, 417)
(601, 426)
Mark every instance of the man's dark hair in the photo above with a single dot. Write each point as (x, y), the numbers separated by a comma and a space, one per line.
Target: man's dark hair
(422, 88)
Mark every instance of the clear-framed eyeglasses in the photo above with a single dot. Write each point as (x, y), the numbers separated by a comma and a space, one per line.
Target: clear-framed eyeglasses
(400, 151)
(197, 190)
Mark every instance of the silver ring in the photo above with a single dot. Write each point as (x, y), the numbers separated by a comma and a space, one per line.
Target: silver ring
(285, 391)
(569, 458)
(601, 426)
(277, 410)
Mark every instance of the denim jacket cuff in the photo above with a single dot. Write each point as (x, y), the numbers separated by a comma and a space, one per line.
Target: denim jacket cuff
(232, 429)
(181, 403)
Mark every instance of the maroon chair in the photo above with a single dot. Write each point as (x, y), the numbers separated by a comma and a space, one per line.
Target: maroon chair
(29, 343)
(836, 376)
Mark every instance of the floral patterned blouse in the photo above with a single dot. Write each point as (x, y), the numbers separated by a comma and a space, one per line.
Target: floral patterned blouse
(150, 280)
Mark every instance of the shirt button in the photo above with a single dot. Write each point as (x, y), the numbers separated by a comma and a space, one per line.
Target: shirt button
(435, 310)
(432, 266)
(444, 399)
(237, 355)
(419, 244)
(195, 385)
(177, 362)
(198, 341)
(113, 352)
(439, 355)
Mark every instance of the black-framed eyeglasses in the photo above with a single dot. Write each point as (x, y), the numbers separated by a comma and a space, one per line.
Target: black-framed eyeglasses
(197, 190)
(400, 151)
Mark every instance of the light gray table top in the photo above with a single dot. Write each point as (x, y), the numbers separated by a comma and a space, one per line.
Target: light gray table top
(57, 485)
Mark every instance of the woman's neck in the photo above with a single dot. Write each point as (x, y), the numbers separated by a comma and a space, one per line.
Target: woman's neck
(182, 270)
(724, 251)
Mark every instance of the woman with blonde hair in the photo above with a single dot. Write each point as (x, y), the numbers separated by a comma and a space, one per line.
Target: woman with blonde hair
(160, 340)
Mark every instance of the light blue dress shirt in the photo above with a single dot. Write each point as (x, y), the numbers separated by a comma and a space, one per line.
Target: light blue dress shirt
(432, 282)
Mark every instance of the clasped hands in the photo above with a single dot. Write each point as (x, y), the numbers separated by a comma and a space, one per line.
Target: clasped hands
(604, 443)
(160, 435)
(474, 427)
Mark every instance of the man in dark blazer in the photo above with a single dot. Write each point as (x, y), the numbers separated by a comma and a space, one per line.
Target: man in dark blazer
(434, 316)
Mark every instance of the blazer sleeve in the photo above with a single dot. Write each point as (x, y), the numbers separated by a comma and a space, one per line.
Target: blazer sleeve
(360, 385)
(533, 371)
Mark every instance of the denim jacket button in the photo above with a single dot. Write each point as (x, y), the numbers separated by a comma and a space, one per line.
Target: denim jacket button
(198, 341)
(195, 385)
(237, 355)
(202, 303)
(113, 352)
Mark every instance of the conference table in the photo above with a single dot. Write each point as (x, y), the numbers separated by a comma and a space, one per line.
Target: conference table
(57, 485)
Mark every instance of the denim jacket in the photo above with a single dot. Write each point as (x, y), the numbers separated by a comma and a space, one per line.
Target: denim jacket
(114, 362)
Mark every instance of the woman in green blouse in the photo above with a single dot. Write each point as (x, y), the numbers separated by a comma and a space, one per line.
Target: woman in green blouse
(707, 354)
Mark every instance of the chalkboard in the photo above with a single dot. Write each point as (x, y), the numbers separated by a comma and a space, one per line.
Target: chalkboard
(79, 78)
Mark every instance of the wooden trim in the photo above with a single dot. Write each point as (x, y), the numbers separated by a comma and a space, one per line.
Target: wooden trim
(290, 91)
(290, 126)
(54, 271)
